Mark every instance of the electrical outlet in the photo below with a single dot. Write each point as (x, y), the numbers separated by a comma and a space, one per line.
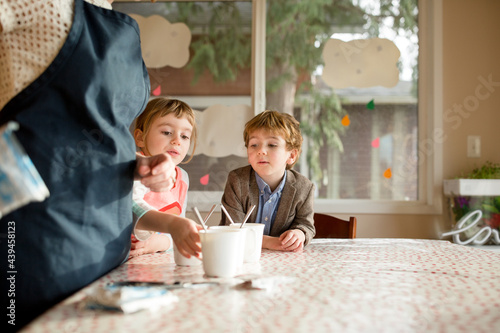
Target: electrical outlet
(473, 146)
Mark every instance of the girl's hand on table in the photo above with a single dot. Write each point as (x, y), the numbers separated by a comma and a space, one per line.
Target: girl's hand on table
(185, 234)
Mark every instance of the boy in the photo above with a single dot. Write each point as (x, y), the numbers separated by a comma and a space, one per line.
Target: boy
(283, 196)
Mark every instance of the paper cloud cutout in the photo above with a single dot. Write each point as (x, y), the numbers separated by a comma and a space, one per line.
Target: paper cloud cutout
(360, 63)
(220, 130)
(163, 43)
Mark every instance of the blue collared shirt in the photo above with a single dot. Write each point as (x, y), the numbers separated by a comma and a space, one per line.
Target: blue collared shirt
(268, 202)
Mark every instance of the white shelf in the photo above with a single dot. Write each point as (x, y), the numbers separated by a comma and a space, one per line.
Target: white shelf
(473, 187)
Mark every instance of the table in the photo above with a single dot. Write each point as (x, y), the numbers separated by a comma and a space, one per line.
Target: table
(335, 285)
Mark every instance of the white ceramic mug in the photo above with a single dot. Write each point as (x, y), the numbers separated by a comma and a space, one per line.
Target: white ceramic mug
(253, 242)
(241, 250)
(183, 261)
(220, 248)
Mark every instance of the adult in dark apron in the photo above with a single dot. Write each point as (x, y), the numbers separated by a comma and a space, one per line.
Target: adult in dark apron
(74, 124)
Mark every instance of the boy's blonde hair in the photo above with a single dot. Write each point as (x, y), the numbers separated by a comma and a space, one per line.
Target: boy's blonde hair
(277, 123)
(160, 107)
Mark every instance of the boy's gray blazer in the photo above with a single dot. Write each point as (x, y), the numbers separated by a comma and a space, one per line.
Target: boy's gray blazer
(295, 210)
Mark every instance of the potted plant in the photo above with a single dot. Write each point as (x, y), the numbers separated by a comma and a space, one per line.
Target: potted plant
(476, 194)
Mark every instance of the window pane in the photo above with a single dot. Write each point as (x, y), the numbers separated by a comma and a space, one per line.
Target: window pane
(358, 172)
(348, 71)
(216, 77)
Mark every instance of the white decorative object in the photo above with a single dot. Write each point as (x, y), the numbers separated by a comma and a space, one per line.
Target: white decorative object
(163, 43)
(221, 128)
(464, 224)
(474, 207)
(361, 63)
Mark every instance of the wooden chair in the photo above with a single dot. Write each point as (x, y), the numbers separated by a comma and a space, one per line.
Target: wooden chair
(332, 227)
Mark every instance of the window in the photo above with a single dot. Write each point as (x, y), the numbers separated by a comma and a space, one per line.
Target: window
(391, 159)
(371, 145)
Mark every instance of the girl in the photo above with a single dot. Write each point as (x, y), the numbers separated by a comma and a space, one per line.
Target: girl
(166, 126)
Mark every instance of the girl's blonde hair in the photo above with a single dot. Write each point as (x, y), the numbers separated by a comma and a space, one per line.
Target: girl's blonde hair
(277, 123)
(160, 107)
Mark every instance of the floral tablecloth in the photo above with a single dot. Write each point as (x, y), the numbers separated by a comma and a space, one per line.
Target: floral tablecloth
(334, 285)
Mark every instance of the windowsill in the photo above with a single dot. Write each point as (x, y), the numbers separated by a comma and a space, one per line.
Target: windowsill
(376, 207)
(204, 201)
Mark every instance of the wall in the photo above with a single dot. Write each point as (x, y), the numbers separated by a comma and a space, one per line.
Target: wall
(471, 31)
(471, 51)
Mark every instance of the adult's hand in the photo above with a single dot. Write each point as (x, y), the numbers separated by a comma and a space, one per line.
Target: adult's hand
(156, 172)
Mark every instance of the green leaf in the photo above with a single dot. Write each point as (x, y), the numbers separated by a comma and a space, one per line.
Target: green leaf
(496, 201)
(490, 209)
(487, 171)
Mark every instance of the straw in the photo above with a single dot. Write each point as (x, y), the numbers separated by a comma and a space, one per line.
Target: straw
(199, 218)
(227, 214)
(210, 213)
(248, 215)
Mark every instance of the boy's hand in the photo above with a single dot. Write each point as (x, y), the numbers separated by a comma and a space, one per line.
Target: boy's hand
(156, 172)
(271, 243)
(292, 240)
(185, 234)
(155, 243)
